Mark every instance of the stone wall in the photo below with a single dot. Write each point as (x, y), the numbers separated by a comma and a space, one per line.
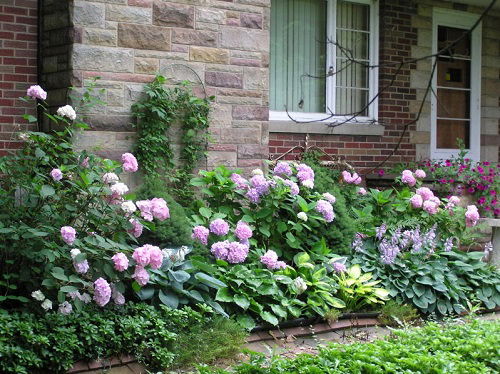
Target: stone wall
(18, 61)
(221, 45)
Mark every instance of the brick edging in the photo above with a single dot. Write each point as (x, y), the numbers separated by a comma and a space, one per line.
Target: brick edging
(104, 363)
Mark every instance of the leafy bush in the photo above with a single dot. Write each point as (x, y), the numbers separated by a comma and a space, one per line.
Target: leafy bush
(159, 338)
(395, 314)
(457, 348)
(173, 232)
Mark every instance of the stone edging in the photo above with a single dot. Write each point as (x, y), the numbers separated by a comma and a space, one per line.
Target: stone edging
(105, 363)
(311, 330)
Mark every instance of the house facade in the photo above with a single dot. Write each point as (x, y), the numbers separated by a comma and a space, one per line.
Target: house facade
(372, 81)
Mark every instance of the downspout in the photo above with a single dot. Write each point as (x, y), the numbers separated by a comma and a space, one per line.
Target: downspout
(39, 110)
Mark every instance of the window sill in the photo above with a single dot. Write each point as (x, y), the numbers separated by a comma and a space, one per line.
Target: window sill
(358, 128)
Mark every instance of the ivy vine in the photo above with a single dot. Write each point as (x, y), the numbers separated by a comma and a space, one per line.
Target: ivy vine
(155, 114)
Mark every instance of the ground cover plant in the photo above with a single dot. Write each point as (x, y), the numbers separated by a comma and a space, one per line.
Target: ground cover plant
(158, 337)
(454, 348)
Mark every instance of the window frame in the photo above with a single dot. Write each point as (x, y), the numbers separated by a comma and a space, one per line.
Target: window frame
(331, 59)
(462, 20)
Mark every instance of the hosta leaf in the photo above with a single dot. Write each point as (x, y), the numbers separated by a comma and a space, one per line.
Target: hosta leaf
(224, 295)
(269, 317)
(242, 301)
(168, 298)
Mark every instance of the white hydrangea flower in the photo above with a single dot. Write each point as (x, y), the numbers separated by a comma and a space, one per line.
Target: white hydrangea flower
(85, 298)
(47, 304)
(128, 207)
(329, 197)
(110, 178)
(257, 172)
(119, 188)
(38, 295)
(300, 285)
(67, 111)
(65, 308)
(302, 216)
(309, 183)
(75, 252)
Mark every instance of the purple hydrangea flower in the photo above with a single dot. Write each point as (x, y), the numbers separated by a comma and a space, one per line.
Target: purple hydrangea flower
(304, 173)
(219, 227)
(294, 188)
(260, 183)
(326, 209)
(253, 196)
(102, 292)
(282, 168)
(200, 233)
(236, 252)
(243, 231)
(241, 183)
(219, 250)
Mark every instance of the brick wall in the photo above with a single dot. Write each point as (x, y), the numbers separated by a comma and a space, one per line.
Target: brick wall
(397, 36)
(18, 61)
(222, 43)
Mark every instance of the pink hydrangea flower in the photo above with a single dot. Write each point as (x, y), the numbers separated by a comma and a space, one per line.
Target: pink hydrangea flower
(425, 192)
(326, 209)
(294, 188)
(219, 227)
(362, 191)
(220, 250)
(136, 229)
(141, 275)
(416, 201)
(430, 207)
(304, 172)
(408, 178)
(145, 207)
(110, 178)
(119, 188)
(420, 174)
(68, 234)
(159, 209)
(240, 182)
(269, 259)
(356, 179)
(129, 163)
(102, 292)
(280, 265)
(155, 257)
(455, 200)
(471, 216)
(329, 197)
(309, 183)
(200, 233)
(81, 267)
(243, 231)
(120, 261)
(36, 92)
(236, 252)
(141, 255)
(56, 174)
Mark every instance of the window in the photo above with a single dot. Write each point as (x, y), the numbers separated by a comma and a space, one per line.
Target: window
(455, 112)
(310, 38)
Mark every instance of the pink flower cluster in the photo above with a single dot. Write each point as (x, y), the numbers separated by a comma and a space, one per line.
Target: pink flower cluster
(36, 92)
(339, 267)
(56, 174)
(120, 261)
(219, 227)
(283, 168)
(471, 216)
(156, 208)
(408, 178)
(232, 252)
(305, 175)
(270, 259)
(240, 182)
(143, 256)
(243, 231)
(136, 229)
(102, 292)
(326, 209)
(351, 179)
(294, 188)
(68, 234)
(424, 198)
(200, 233)
(129, 163)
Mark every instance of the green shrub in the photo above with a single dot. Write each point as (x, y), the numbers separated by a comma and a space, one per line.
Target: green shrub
(460, 348)
(173, 232)
(394, 314)
(159, 338)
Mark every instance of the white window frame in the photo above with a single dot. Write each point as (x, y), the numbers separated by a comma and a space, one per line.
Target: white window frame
(331, 61)
(462, 20)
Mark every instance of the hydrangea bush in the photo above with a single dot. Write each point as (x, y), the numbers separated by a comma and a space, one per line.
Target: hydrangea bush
(68, 226)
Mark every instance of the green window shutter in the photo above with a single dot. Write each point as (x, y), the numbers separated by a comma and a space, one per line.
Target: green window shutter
(298, 48)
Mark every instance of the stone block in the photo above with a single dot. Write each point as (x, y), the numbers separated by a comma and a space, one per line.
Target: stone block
(252, 151)
(244, 39)
(255, 79)
(240, 136)
(251, 21)
(194, 37)
(221, 79)
(87, 57)
(420, 137)
(207, 26)
(206, 54)
(218, 158)
(88, 14)
(146, 65)
(144, 37)
(173, 15)
(251, 112)
(100, 37)
(115, 97)
(176, 73)
(210, 16)
(129, 14)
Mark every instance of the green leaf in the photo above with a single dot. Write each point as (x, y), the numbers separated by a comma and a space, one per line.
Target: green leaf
(47, 191)
(224, 295)
(209, 281)
(354, 271)
(180, 275)
(242, 301)
(247, 322)
(168, 298)
(67, 289)
(264, 230)
(269, 317)
(279, 310)
(281, 227)
(205, 212)
(301, 258)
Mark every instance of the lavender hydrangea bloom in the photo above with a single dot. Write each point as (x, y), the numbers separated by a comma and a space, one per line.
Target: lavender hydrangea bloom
(219, 250)
(243, 231)
(219, 227)
(269, 259)
(200, 233)
(102, 292)
(240, 182)
(237, 252)
(253, 195)
(304, 173)
(81, 267)
(260, 183)
(282, 168)
(294, 188)
(326, 209)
